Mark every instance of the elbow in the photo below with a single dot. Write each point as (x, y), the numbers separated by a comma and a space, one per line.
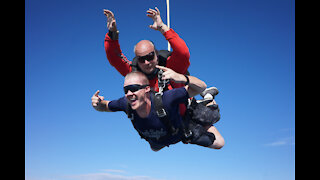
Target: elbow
(186, 54)
(217, 144)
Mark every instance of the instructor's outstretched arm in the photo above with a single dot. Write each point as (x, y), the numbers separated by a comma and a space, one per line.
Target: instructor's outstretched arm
(194, 87)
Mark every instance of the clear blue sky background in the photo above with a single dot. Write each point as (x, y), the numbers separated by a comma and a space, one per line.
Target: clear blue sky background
(244, 48)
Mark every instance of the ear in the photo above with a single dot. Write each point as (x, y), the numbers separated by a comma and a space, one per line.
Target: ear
(157, 55)
(156, 51)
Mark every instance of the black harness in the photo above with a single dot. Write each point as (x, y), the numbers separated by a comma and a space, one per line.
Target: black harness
(161, 112)
(192, 132)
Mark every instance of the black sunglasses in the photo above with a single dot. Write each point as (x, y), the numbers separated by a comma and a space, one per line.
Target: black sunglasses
(133, 87)
(148, 57)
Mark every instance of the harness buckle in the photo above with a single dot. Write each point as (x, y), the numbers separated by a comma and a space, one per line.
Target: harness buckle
(187, 136)
(161, 112)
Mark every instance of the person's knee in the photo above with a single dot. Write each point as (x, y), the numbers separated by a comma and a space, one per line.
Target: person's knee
(155, 150)
(219, 146)
(219, 140)
(155, 147)
(218, 143)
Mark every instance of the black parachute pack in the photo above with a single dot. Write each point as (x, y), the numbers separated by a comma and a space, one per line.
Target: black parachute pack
(203, 115)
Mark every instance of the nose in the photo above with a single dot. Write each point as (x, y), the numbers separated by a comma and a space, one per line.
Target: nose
(129, 93)
(146, 62)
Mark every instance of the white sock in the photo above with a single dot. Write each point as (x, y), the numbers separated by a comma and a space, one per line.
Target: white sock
(208, 97)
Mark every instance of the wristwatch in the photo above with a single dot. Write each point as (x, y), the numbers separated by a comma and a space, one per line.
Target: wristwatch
(114, 35)
(186, 83)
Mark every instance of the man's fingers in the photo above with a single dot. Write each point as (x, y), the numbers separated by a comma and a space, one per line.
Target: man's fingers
(97, 93)
(162, 68)
(151, 11)
(157, 10)
(95, 101)
(108, 13)
(167, 75)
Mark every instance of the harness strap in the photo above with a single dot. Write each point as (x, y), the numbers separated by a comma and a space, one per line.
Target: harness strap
(129, 112)
(163, 114)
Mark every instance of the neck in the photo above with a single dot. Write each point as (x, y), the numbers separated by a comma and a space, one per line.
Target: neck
(145, 108)
(153, 74)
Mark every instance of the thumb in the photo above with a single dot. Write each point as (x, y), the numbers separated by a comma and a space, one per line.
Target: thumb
(153, 27)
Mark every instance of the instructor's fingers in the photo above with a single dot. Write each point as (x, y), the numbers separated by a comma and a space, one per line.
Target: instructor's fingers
(162, 67)
(108, 12)
(157, 10)
(152, 11)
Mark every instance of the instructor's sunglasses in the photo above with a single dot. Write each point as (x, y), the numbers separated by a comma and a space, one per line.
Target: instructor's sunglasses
(148, 57)
(133, 87)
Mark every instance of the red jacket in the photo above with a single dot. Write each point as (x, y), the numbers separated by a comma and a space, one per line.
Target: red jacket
(178, 61)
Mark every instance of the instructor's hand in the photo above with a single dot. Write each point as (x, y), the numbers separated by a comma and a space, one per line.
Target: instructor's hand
(154, 14)
(171, 75)
(111, 21)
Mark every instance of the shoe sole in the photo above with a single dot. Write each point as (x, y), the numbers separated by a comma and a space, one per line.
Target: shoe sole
(208, 90)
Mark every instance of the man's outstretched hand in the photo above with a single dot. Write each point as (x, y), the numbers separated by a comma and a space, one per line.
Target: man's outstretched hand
(96, 99)
(154, 14)
(111, 21)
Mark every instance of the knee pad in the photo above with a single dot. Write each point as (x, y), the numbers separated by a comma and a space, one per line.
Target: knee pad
(205, 140)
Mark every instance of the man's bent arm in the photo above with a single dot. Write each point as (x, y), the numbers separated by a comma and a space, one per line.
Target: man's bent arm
(179, 59)
(193, 86)
(115, 56)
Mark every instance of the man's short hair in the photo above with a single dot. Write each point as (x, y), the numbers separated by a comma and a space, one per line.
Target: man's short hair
(151, 42)
(140, 75)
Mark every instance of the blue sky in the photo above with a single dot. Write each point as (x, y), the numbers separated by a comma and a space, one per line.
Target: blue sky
(244, 48)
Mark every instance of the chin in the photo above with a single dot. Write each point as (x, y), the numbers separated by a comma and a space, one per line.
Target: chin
(149, 70)
(134, 106)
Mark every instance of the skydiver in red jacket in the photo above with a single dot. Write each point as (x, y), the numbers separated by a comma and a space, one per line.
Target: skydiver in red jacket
(147, 56)
(145, 50)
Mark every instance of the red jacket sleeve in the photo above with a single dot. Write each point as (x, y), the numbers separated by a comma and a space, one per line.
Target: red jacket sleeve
(179, 59)
(115, 56)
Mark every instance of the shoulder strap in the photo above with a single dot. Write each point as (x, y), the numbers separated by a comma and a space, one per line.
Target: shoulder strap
(160, 110)
(134, 64)
(129, 112)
